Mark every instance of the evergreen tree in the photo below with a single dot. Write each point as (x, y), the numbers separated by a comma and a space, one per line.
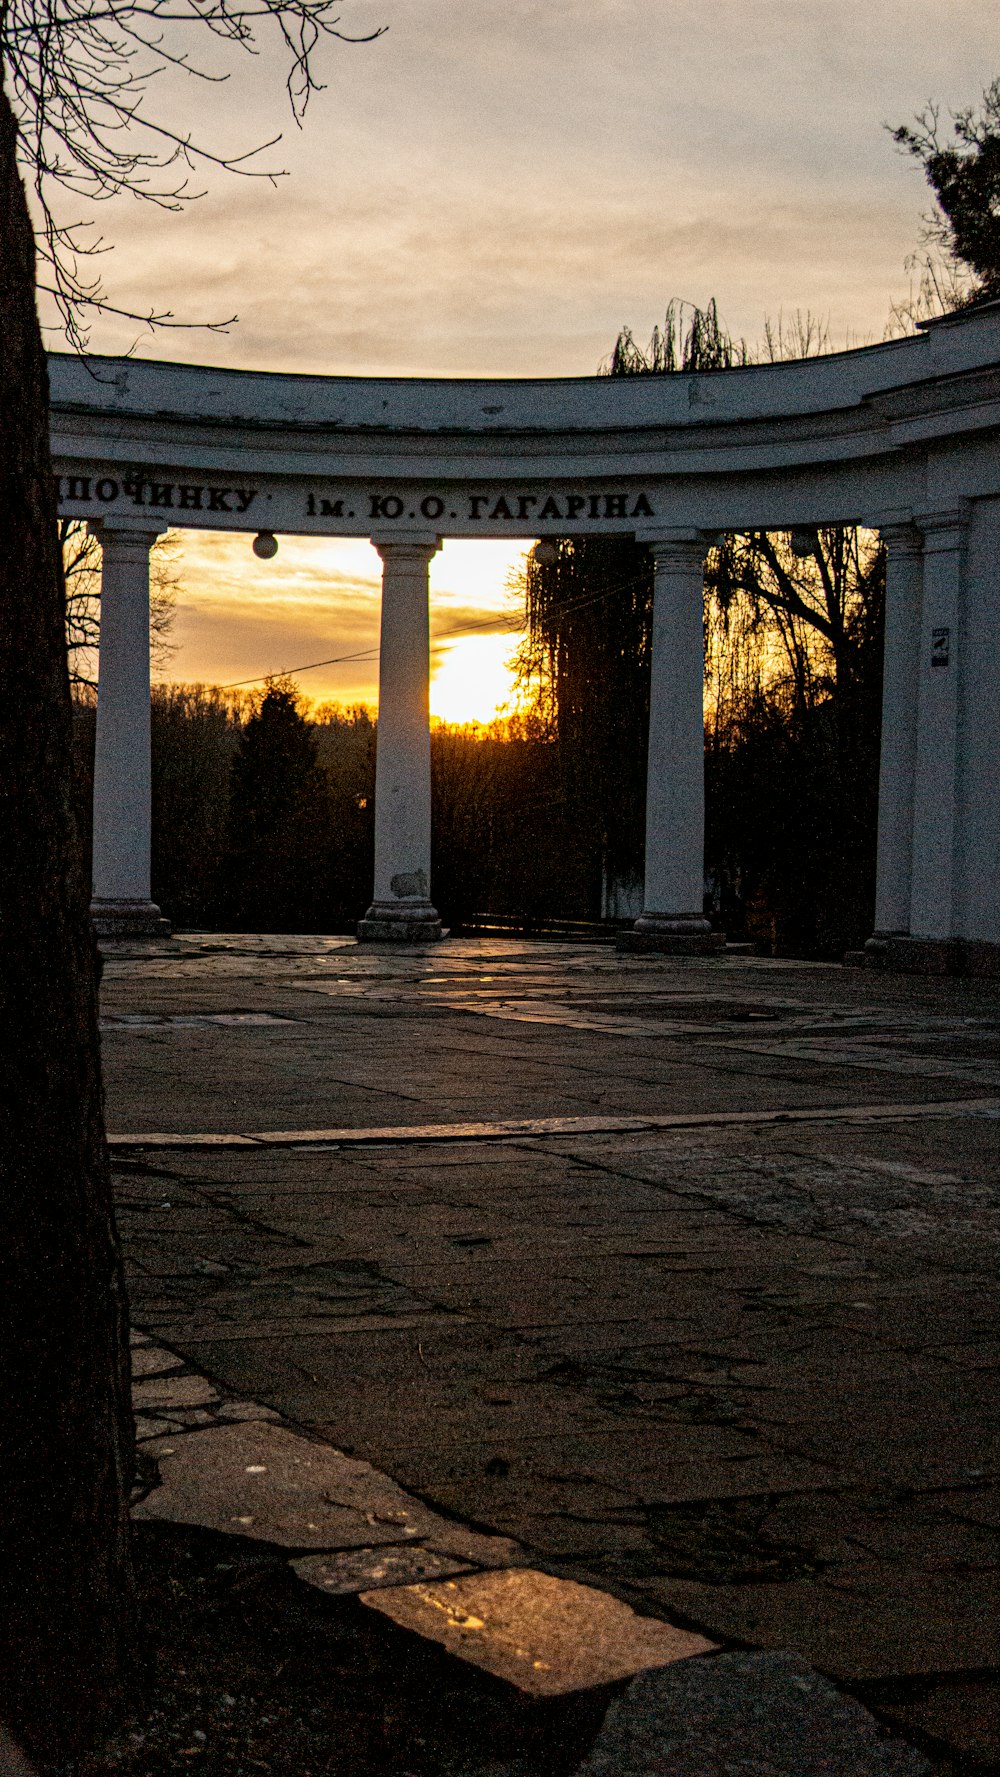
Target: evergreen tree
(195, 734)
(280, 821)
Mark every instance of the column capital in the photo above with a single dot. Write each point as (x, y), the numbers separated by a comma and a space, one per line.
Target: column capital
(900, 535)
(680, 548)
(122, 537)
(394, 545)
(943, 526)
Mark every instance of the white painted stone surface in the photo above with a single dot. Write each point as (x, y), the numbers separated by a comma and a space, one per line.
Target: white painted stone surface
(903, 433)
(935, 789)
(855, 402)
(402, 906)
(900, 693)
(977, 862)
(675, 779)
(121, 755)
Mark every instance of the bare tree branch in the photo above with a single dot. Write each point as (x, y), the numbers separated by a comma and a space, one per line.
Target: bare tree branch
(79, 74)
(81, 553)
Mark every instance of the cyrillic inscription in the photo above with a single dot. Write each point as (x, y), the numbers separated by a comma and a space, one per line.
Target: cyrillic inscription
(159, 496)
(520, 513)
(507, 509)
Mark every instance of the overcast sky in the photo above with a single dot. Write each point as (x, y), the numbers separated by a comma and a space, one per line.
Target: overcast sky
(497, 186)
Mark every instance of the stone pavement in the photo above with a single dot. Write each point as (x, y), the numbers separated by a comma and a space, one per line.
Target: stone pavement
(743, 1714)
(726, 1366)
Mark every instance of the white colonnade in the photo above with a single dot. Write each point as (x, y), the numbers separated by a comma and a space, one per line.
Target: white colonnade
(900, 693)
(900, 436)
(936, 767)
(121, 903)
(402, 910)
(918, 791)
(672, 917)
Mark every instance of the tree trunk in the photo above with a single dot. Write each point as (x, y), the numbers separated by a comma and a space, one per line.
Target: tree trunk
(67, 1619)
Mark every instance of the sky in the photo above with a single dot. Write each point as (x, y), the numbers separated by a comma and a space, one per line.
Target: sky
(237, 618)
(496, 187)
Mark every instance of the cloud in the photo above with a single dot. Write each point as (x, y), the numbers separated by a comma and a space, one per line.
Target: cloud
(213, 650)
(239, 618)
(496, 189)
(319, 600)
(530, 287)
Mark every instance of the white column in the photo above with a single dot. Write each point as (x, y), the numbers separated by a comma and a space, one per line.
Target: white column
(935, 791)
(121, 906)
(672, 917)
(402, 911)
(897, 765)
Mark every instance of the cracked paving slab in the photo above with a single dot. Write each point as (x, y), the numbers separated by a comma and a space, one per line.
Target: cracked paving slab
(544, 1635)
(262, 1480)
(744, 1371)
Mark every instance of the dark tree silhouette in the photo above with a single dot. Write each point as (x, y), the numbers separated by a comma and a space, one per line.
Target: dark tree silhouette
(793, 721)
(195, 734)
(589, 612)
(691, 338)
(280, 825)
(75, 117)
(964, 176)
(812, 600)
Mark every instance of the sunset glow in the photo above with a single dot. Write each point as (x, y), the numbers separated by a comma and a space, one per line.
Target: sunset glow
(471, 680)
(241, 620)
(707, 160)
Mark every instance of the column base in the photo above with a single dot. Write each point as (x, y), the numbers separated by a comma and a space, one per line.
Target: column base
(898, 953)
(128, 919)
(400, 922)
(676, 934)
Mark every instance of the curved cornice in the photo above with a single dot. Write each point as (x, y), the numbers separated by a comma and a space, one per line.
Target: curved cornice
(154, 390)
(892, 404)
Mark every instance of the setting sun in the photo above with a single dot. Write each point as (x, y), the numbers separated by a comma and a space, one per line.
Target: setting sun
(471, 678)
(238, 619)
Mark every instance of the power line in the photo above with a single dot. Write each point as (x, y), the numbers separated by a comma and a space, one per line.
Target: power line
(447, 636)
(365, 654)
(286, 671)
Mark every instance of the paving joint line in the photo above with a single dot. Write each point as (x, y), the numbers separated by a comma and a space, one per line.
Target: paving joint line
(533, 1128)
